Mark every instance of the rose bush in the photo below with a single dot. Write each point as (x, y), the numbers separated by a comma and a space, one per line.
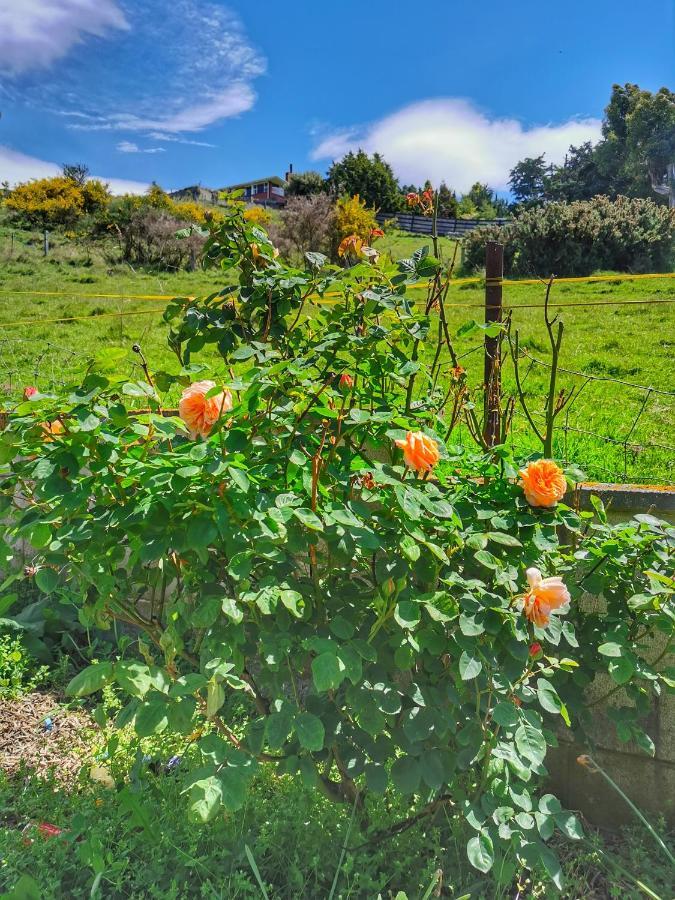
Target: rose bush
(306, 538)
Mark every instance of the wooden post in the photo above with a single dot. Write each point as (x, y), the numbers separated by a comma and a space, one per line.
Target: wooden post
(46, 243)
(494, 272)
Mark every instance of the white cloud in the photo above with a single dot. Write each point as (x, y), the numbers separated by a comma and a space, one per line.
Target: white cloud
(17, 167)
(36, 33)
(169, 68)
(161, 136)
(130, 147)
(450, 139)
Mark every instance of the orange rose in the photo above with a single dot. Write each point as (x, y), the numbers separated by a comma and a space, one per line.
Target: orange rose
(545, 596)
(200, 412)
(29, 391)
(346, 382)
(51, 429)
(543, 483)
(351, 245)
(419, 451)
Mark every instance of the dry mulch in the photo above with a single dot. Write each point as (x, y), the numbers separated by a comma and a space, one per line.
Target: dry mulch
(26, 746)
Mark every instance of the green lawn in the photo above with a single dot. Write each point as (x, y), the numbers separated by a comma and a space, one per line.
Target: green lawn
(629, 343)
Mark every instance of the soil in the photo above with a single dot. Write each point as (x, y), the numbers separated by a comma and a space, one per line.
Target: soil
(26, 745)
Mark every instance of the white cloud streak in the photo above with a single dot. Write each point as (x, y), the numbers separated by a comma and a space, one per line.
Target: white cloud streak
(18, 167)
(131, 147)
(36, 33)
(450, 139)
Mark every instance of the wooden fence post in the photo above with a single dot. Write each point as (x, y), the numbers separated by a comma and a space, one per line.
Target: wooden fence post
(45, 245)
(494, 272)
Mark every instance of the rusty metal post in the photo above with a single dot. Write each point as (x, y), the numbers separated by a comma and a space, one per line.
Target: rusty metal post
(494, 273)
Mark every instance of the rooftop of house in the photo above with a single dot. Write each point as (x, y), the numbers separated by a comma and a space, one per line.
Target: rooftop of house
(272, 179)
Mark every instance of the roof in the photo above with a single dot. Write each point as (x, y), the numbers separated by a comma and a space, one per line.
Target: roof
(273, 179)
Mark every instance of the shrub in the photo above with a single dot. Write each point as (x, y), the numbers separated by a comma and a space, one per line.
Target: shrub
(273, 548)
(47, 202)
(306, 223)
(352, 216)
(258, 215)
(626, 234)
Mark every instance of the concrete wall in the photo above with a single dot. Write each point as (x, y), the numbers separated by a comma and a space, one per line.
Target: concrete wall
(648, 781)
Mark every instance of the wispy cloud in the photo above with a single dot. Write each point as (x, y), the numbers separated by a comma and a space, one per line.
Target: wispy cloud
(18, 167)
(130, 147)
(161, 136)
(169, 69)
(36, 33)
(450, 139)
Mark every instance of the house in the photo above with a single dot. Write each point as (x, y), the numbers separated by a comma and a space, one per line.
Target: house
(269, 191)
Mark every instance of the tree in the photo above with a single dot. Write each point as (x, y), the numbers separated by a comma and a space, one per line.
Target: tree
(371, 178)
(527, 181)
(447, 202)
(77, 172)
(651, 139)
(579, 178)
(305, 184)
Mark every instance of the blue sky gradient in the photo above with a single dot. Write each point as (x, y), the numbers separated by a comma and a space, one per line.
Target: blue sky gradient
(456, 90)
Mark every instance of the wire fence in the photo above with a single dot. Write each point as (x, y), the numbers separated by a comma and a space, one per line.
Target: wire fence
(615, 429)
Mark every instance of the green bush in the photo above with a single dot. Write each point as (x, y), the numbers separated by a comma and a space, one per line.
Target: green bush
(626, 235)
(270, 544)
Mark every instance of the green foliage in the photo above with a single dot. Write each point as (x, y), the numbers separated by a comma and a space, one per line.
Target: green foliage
(371, 178)
(305, 184)
(19, 671)
(368, 619)
(634, 158)
(581, 237)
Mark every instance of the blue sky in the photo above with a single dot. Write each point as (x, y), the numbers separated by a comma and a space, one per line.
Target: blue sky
(216, 92)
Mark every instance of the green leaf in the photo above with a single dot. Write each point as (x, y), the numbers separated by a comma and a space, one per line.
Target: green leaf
(308, 518)
(610, 649)
(406, 774)
(376, 778)
(133, 677)
(621, 669)
(240, 478)
(469, 666)
(548, 697)
(327, 672)
(89, 680)
(407, 614)
(206, 611)
(501, 537)
(293, 601)
(530, 742)
(40, 535)
(278, 727)
(151, 718)
(215, 697)
(46, 579)
(480, 852)
(505, 714)
(310, 731)
(231, 609)
(206, 797)
(201, 532)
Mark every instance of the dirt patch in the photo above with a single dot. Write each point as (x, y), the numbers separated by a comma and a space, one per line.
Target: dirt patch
(27, 744)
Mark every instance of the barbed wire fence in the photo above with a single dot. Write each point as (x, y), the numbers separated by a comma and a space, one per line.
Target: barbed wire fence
(620, 449)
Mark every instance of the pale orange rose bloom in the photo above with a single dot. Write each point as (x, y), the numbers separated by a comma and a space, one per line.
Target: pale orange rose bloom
(346, 381)
(351, 244)
(545, 596)
(419, 451)
(52, 428)
(200, 412)
(543, 483)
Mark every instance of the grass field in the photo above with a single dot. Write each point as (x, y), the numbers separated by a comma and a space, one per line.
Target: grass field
(624, 348)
